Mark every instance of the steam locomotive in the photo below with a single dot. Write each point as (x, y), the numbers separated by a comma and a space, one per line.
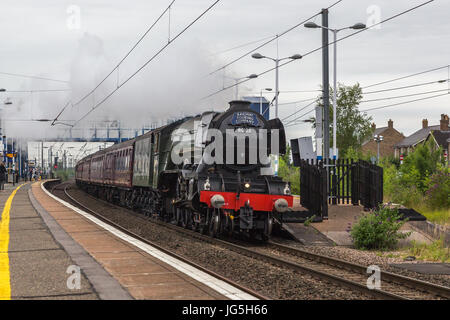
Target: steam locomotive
(210, 172)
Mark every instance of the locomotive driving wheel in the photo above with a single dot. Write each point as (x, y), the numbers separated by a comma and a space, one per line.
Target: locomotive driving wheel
(226, 223)
(178, 216)
(214, 223)
(186, 221)
(195, 222)
(268, 225)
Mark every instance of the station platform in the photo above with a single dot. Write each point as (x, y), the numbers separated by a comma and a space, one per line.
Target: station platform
(51, 251)
(32, 264)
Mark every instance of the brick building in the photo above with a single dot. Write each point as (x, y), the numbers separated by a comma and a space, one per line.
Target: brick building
(390, 137)
(409, 143)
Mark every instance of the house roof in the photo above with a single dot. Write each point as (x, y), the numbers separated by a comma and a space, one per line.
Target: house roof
(377, 131)
(416, 137)
(442, 138)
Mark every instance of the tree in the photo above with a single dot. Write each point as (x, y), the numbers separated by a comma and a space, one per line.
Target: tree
(353, 126)
(424, 162)
(288, 172)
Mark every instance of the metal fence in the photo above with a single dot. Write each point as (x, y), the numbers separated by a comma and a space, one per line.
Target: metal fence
(368, 180)
(339, 182)
(313, 188)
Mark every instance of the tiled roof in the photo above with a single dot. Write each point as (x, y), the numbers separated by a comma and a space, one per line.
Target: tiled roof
(416, 137)
(442, 138)
(377, 131)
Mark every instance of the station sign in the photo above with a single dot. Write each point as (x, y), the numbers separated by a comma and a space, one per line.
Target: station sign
(11, 155)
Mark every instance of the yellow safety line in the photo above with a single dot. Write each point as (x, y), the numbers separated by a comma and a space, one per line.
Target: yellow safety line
(5, 286)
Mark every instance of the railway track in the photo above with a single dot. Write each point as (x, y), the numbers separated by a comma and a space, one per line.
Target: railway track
(395, 284)
(333, 270)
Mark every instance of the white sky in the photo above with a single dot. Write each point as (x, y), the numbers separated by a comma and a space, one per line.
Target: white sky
(37, 40)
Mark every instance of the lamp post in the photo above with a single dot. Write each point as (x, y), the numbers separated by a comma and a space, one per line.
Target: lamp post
(252, 76)
(260, 101)
(277, 63)
(356, 26)
(5, 143)
(378, 138)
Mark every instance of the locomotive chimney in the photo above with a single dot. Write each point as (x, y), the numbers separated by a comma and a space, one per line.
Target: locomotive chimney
(240, 104)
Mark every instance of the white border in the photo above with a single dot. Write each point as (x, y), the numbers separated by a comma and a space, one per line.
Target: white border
(218, 285)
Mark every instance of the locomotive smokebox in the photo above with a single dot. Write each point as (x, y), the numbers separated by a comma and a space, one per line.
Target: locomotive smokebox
(239, 104)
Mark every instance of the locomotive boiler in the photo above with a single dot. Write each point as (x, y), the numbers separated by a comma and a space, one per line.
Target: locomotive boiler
(210, 172)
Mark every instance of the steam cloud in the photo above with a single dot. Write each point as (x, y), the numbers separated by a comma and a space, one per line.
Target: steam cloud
(168, 88)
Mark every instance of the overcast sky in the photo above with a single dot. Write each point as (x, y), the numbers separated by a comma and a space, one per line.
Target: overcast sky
(81, 41)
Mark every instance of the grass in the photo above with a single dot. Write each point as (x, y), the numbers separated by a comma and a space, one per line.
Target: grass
(435, 251)
(309, 220)
(440, 216)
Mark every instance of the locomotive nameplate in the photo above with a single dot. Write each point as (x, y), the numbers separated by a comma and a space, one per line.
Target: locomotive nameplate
(247, 118)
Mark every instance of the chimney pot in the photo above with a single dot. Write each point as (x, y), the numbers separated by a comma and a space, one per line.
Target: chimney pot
(390, 124)
(444, 122)
(424, 123)
(374, 126)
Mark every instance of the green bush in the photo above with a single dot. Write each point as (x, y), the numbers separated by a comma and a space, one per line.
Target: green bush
(422, 182)
(378, 230)
(288, 172)
(437, 195)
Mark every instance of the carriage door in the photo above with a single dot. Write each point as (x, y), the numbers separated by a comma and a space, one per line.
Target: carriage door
(155, 162)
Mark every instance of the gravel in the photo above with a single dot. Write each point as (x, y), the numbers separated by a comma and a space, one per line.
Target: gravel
(367, 258)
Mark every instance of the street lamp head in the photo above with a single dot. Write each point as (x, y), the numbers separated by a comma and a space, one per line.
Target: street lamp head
(252, 76)
(268, 89)
(311, 24)
(257, 56)
(296, 56)
(358, 26)
(8, 102)
(2, 89)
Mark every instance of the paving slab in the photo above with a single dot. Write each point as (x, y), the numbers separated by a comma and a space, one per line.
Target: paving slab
(43, 273)
(106, 287)
(38, 265)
